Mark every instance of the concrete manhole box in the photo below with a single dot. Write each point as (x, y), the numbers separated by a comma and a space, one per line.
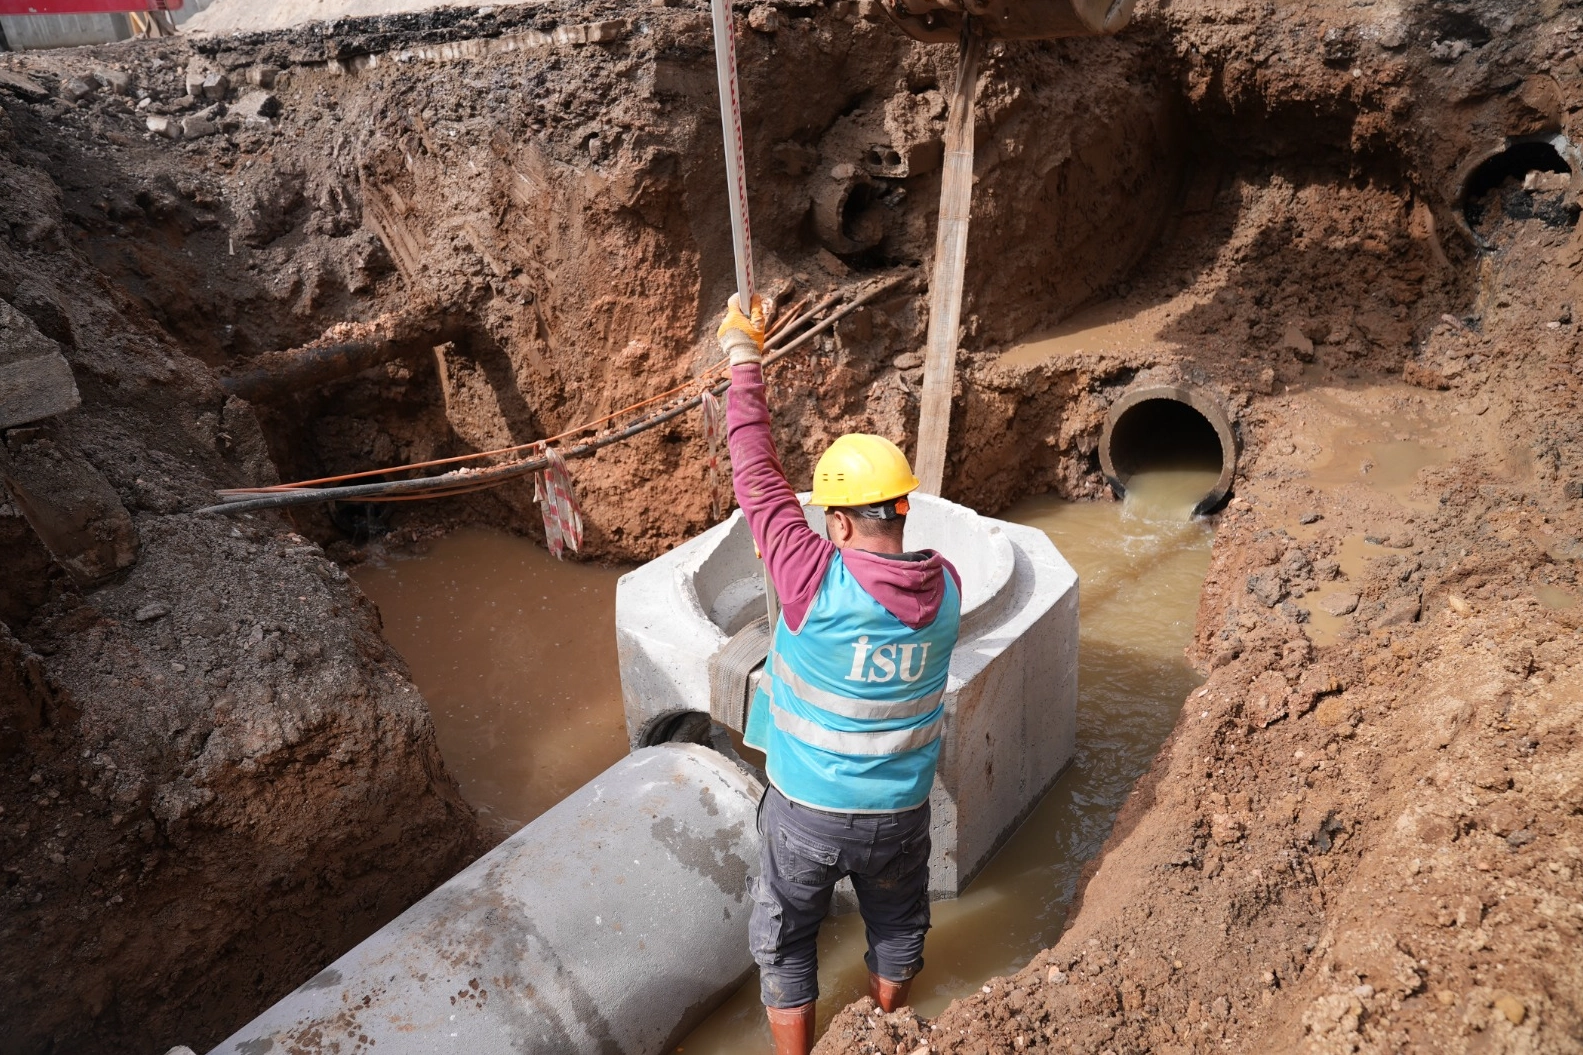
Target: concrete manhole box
(1012, 696)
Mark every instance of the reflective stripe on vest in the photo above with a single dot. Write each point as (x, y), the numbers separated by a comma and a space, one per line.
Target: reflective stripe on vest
(848, 707)
(885, 743)
(851, 711)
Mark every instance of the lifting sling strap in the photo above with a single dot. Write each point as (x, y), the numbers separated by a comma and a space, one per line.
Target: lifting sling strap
(737, 189)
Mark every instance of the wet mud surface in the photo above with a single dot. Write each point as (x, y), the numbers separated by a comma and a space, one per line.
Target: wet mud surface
(1363, 835)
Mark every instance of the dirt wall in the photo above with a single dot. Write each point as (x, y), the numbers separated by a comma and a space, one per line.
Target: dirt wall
(565, 201)
(216, 774)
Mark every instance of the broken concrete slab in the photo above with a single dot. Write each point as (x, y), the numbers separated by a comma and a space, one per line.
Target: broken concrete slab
(70, 506)
(214, 86)
(118, 81)
(35, 380)
(23, 85)
(203, 123)
(256, 105)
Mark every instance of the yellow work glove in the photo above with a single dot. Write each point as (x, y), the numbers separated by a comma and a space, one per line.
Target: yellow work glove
(742, 336)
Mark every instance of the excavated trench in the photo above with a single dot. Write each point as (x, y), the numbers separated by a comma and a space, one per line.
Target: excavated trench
(516, 654)
(479, 246)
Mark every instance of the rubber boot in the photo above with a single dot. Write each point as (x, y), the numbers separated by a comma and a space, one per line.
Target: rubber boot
(887, 994)
(792, 1028)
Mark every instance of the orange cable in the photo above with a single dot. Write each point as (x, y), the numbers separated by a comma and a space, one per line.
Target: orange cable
(707, 375)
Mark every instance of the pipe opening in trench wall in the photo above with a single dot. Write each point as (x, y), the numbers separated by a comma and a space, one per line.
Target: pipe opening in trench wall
(1165, 427)
(1524, 178)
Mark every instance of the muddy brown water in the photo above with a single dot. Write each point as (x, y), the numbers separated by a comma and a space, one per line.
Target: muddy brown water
(516, 654)
(1111, 326)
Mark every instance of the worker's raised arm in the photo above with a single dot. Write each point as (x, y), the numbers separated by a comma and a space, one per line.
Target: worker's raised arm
(794, 553)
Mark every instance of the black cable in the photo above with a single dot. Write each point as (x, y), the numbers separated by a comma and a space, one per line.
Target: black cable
(501, 473)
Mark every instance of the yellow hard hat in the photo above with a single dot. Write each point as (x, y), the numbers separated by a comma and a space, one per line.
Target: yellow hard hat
(859, 470)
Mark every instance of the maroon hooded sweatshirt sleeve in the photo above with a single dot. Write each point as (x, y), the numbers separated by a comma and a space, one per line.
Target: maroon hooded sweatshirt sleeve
(796, 555)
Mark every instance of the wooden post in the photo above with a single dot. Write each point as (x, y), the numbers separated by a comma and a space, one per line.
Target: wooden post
(950, 258)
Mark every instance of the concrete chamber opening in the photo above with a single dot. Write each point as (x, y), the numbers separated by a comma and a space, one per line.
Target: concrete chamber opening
(677, 727)
(1169, 427)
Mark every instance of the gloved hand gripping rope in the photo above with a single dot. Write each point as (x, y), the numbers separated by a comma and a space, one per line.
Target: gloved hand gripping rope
(742, 340)
(742, 336)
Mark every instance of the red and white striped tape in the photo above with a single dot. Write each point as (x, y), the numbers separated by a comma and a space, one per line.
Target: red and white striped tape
(563, 517)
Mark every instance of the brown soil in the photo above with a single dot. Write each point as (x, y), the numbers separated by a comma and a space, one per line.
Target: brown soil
(203, 806)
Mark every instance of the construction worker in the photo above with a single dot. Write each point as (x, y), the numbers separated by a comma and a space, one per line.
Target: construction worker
(850, 712)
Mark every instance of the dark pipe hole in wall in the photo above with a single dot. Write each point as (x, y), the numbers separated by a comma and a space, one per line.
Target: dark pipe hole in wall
(1163, 434)
(1502, 180)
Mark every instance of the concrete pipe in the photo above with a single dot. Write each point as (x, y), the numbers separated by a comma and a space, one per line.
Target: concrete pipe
(613, 923)
(846, 214)
(1513, 156)
(1169, 427)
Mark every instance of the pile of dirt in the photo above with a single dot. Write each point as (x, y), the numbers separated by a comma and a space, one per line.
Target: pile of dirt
(220, 775)
(216, 773)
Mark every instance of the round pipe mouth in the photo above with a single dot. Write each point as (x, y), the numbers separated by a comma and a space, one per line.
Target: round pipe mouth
(1484, 170)
(677, 727)
(1178, 426)
(847, 215)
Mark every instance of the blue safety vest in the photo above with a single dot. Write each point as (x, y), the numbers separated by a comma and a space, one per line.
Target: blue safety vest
(850, 711)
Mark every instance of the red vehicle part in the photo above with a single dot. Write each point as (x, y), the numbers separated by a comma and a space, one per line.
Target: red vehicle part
(84, 7)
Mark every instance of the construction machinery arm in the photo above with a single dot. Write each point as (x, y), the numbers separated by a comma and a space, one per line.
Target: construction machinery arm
(940, 21)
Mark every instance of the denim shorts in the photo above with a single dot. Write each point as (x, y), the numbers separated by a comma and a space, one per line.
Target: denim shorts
(803, 853)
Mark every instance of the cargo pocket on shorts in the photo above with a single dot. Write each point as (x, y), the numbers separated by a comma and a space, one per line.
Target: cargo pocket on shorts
(802, 861)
